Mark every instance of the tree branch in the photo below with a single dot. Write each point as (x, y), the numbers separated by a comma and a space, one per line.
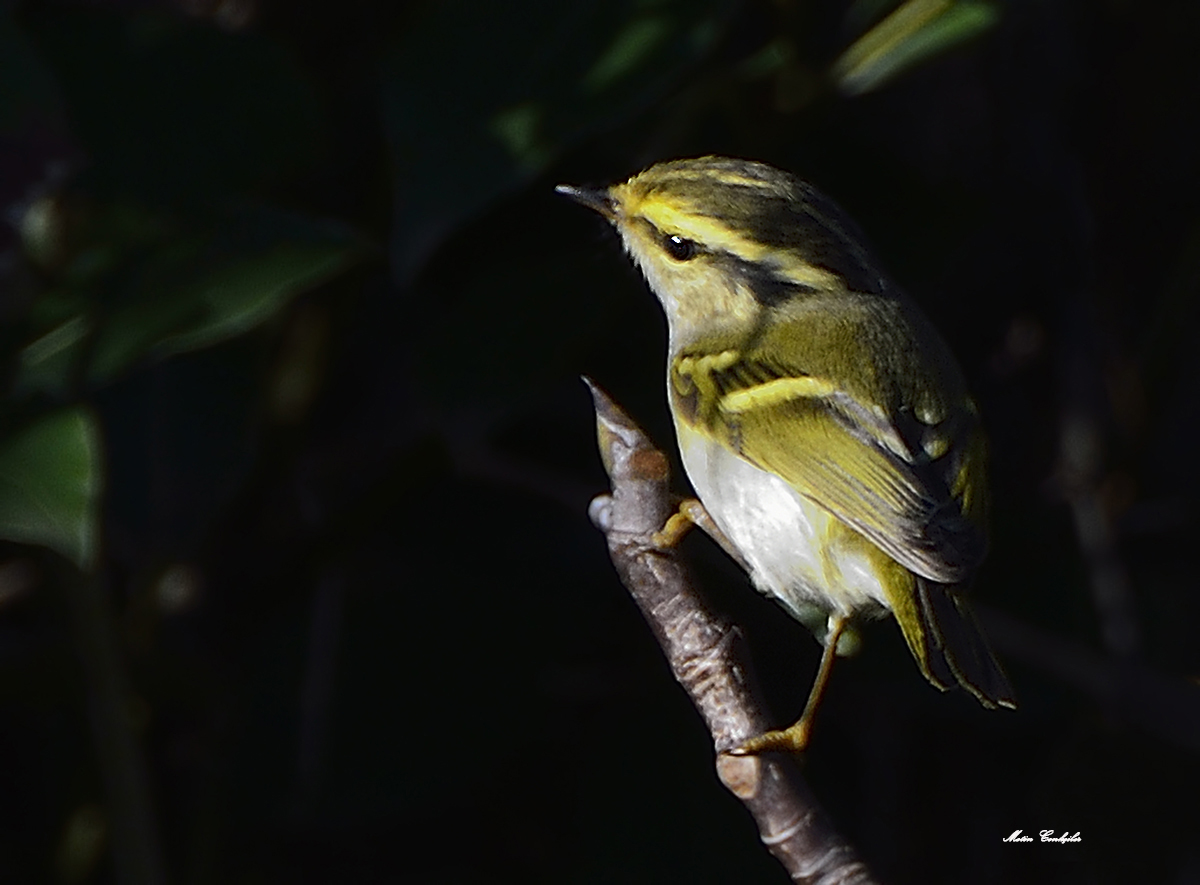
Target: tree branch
(707, 658)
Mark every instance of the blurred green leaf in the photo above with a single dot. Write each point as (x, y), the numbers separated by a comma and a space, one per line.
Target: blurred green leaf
(519, 130)
(631, 49)
(190, 291)
(478, 98)
(48, 364)
(228, 299)
(914, 32)
(50, 482)
(238, 297)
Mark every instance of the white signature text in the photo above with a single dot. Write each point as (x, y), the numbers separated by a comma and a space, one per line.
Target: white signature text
(1044, 836)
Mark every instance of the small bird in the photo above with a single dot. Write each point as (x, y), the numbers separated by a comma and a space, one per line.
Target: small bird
(822, 422)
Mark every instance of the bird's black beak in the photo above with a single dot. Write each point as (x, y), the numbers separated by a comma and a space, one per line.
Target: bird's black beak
(594, 198)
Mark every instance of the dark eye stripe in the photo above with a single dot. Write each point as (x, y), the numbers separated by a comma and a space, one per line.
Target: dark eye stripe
(769, 290)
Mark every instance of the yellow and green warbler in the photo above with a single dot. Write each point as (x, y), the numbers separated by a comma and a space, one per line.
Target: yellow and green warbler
(822, 421)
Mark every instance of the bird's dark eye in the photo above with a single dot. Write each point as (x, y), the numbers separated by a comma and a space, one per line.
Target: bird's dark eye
(679, 248)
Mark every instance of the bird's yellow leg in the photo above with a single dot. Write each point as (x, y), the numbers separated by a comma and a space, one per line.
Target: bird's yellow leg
(795, 738)
(692, 513)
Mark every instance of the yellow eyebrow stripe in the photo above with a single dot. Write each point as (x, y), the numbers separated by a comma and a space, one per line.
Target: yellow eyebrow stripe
(678, 219)
(802, 273)
(780, 390)
(712, 234)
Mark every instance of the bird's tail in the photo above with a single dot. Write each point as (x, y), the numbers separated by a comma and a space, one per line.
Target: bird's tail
(951, 648)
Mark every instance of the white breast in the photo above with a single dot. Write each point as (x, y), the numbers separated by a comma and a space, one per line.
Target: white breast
(783, 536)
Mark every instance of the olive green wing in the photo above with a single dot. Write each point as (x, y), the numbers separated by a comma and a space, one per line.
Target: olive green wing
(923, 510)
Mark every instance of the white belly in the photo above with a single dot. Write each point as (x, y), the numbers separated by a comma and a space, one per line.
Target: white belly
(788, 541)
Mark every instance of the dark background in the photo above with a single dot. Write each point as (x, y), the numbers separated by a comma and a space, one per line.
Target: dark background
(298, 583)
